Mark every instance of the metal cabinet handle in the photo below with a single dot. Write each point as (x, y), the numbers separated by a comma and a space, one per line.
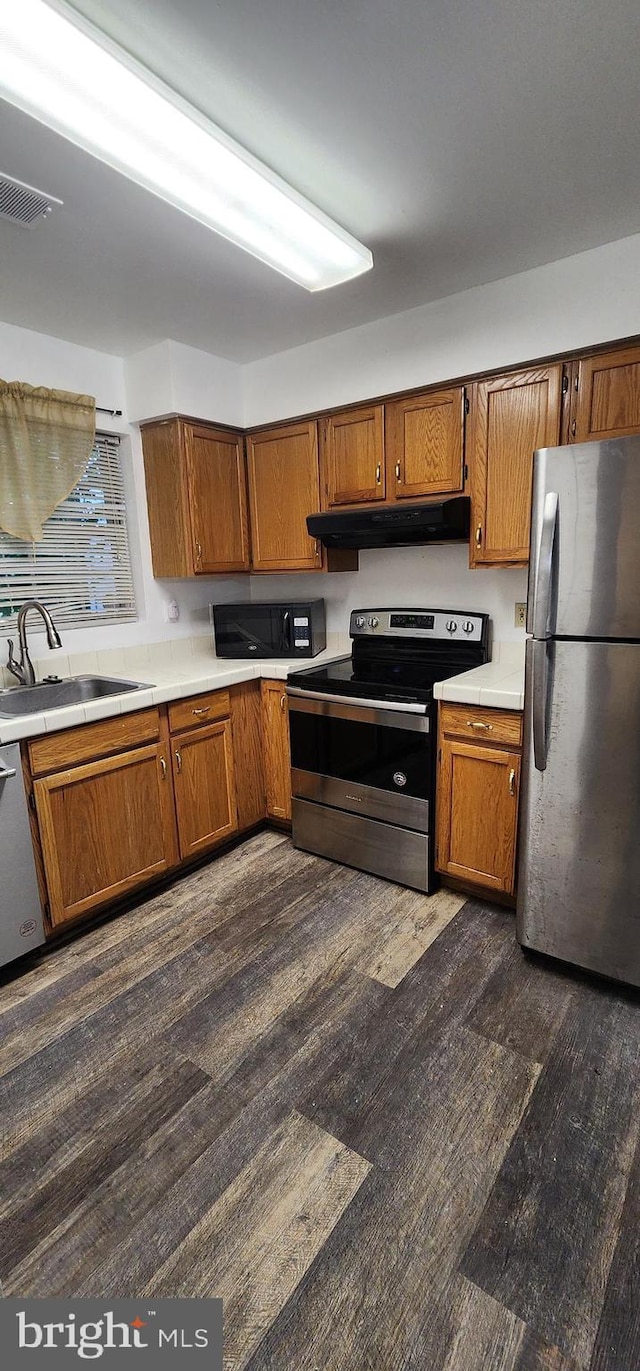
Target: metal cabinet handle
(199, 552)
(283, 703)
(476, 723)
(163, 768)
(378, 474)
(512, 782)
(398, 476)
(202, 711)
(6, 772)
(479, 536)
(179, 762)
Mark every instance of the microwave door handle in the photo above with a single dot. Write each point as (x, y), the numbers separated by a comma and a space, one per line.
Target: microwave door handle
(286, 631)
(542, 594)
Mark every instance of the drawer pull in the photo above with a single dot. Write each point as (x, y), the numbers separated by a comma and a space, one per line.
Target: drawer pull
(179, 762)
(202, 711)
(476, 723)
(512, 782)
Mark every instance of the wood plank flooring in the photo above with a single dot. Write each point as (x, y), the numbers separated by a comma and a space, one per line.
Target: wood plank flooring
(389, 1140)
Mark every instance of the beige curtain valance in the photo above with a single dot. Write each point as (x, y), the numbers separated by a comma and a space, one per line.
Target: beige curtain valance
(46, 437)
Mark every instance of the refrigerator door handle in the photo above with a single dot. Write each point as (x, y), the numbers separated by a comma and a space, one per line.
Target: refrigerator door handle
(539, 702)
(544, 572)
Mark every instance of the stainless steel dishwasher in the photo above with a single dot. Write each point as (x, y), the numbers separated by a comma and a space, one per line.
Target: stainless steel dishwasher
(21, 927)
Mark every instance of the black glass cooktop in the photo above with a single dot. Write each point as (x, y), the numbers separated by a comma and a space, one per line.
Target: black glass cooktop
(374, 680)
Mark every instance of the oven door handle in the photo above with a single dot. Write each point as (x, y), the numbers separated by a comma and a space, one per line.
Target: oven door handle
(399, 706)
(386, 713)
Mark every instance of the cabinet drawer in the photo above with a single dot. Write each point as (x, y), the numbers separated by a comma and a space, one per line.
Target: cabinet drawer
(481, 724)
(199, 709)
(86, 743)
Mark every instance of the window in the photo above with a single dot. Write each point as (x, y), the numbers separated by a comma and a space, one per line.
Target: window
(81, 570)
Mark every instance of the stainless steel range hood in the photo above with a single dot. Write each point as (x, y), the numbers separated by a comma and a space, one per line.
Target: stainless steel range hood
(432, 521)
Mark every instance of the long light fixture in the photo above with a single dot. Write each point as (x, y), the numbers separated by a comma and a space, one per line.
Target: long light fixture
(64, 72)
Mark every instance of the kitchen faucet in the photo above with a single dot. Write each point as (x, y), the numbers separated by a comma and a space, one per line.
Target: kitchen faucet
(23, 670)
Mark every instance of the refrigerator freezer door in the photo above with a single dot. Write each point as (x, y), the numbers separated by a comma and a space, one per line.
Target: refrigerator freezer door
(595, 547)
(579, 866)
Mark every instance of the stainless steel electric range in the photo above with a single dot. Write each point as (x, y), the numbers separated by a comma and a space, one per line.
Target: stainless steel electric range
(363, 739)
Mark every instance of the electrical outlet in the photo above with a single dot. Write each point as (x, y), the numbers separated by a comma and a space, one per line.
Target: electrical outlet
(520, 618)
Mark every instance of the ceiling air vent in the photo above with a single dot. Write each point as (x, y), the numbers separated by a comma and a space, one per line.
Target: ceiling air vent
(23, 204)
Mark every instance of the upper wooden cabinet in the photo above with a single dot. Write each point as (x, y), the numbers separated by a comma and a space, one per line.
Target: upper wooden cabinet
(196, 497)
(510, 417)
(424, 437)
(284, 487)
(353, 456)
(607, 395)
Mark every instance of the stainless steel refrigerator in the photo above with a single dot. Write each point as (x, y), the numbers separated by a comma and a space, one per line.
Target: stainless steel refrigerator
(579, 864)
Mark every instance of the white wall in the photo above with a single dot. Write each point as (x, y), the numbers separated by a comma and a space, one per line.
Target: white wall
(427, 577)
(586, 299)
(43, 361)
(171, 378)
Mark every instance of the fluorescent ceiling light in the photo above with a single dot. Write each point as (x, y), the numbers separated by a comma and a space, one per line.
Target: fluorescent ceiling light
(65, 73)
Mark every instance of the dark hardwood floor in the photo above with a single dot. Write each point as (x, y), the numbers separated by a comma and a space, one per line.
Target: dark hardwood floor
(363, 1117)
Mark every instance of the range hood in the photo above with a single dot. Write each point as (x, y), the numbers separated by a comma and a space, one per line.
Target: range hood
(433, 521)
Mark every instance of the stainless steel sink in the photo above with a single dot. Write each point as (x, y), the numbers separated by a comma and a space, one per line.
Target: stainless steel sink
(76, 690)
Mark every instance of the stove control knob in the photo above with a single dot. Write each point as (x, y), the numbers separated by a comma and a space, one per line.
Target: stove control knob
(467, 626)
(451, 625)
(373, 621)
(360, 621)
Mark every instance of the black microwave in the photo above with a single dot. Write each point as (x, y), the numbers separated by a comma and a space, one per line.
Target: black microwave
(276, 628)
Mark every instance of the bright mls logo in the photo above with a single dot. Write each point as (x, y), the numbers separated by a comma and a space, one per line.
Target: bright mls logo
(163, 1333)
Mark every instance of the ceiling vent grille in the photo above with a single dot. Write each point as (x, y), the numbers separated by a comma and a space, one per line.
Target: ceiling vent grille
(23, 204)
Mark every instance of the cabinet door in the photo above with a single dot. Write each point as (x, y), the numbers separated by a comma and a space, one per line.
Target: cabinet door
(608, 399)
(511, 416)
(284, 487)
(277, 752)
(353, 453)
(170, 530)
(105, 828)
(248, 752)
(425, 444)
(477, 814)
(204, 787)
(217, 500)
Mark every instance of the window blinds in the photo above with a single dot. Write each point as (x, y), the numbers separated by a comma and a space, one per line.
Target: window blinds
(81, 570)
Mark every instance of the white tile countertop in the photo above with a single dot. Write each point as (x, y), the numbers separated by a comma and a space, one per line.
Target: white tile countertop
(187, 666)
(498, 684)
(182, 667)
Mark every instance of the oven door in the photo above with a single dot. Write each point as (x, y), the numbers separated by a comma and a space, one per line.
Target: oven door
(367, 759)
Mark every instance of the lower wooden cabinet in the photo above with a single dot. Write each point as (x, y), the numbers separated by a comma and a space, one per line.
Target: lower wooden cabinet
(203, 778)
(277, 752)
(478, 784)
(105, 828)
(120, 802)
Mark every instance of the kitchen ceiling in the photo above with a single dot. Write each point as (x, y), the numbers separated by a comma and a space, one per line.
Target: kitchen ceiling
(461, 140)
